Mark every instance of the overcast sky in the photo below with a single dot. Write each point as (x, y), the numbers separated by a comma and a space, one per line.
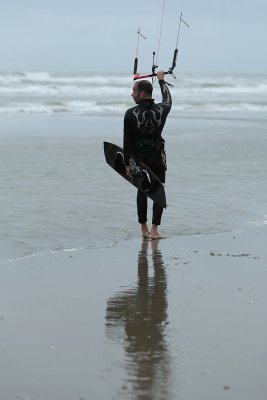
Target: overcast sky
(227, 36)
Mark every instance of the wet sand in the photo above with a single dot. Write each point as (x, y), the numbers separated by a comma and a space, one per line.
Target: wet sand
(182, 318)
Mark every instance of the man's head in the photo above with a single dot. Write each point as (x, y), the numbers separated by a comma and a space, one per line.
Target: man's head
(142, 90)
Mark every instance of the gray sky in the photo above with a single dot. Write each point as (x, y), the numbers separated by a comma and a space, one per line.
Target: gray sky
(227, 36)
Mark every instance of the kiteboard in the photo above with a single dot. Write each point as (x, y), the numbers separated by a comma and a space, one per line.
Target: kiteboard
(142, 177)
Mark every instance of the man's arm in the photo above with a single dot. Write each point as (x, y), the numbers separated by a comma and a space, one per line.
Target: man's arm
(166, 96)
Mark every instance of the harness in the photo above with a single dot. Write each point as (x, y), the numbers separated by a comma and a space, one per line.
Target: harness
(148, 123)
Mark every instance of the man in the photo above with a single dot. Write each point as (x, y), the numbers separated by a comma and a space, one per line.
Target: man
(143, 125)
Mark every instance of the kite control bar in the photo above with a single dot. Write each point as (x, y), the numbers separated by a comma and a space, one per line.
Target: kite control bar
(153, 74)
(137, 76)
(170, 71)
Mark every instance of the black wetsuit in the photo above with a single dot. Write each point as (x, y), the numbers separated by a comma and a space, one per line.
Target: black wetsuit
(143, 125)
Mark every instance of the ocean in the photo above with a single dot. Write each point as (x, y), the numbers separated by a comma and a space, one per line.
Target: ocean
(87, 94)
(58, 194)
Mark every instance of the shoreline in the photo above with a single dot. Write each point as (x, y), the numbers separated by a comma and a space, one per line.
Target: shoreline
(121, 243)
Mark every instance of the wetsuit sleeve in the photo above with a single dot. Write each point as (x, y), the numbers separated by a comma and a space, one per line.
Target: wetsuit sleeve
(166, 96)
(127, 138)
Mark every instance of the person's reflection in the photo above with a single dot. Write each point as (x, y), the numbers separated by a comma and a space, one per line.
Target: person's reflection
(142, 312)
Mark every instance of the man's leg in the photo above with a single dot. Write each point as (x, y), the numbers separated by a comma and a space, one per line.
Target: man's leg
(142, 212)
(157, 214)
(156, 220)
(160, 171)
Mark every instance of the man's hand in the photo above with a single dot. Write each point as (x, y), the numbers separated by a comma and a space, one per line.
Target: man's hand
(160, 75)
(128, 171)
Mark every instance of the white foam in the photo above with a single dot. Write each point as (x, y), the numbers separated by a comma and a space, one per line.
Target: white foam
(87, 94)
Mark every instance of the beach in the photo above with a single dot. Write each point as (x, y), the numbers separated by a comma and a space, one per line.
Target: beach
(90, 310)
(181, 318)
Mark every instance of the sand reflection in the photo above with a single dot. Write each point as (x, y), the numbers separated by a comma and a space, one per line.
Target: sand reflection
(138, 318)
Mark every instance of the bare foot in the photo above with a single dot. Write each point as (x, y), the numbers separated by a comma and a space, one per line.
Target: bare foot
(155, 236)
(155, 233)
(145, 231)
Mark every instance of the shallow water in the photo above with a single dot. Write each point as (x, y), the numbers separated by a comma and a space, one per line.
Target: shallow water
(58, 193)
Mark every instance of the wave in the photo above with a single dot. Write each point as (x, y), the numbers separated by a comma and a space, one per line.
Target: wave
(91, 109)
(88, 94)
(73, 79)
